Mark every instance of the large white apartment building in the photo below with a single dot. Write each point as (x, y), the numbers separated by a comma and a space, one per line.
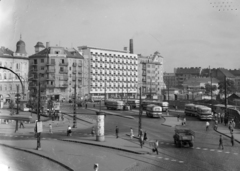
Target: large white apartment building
(109, 72)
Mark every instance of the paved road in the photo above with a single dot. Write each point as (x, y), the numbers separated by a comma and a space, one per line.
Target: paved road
(204, 156)
(23, 161)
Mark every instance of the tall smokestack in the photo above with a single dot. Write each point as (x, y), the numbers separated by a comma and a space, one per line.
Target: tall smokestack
(131, 46)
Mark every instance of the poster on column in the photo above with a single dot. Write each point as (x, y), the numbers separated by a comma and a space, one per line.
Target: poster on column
(39, 127)
(100, 125)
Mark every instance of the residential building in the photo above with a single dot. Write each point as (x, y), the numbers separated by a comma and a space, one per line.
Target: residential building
(182, 74)
(18, 62)
(170, 80)
(150, 72)
(57, 70)
(110, 73)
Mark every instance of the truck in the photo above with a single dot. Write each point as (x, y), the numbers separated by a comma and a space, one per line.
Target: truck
(183, 136)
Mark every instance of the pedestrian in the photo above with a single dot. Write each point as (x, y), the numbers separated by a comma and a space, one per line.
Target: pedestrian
(21, 124)
(93, 131)
(207, 125)
(225, 121)
(86, 106)
(221, 142)
(117, 131)
(58, 116)
(50, 128)
(222, 117)
(184, 121)
(232, 140)
(145, 136)
(69, 131)
(95, 167)
(141, 140)
(131, 133)
(155, 148)
(167, 112)
(178, 117)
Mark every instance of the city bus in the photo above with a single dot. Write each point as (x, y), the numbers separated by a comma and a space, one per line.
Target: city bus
(190, 109)
(154, 111)
(164, 105)
(114, 104)
(133, 103)
(204, 112)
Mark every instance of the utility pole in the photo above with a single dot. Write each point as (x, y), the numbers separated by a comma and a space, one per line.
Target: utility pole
(17, 100)
(210, 72)
(74, 104)
(225, 92)
(38, 113)
(140, 110)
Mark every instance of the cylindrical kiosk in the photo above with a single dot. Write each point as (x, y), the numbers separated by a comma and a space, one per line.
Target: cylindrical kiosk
(100, 126)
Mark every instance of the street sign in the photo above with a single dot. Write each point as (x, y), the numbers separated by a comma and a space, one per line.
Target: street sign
(56, 105)
(39, 127)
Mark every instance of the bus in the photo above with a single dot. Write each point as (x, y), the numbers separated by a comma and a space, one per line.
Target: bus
(190, 109)
(114, 104)
(154, 111)
(164, 105)
(133, 103)
(204, 112)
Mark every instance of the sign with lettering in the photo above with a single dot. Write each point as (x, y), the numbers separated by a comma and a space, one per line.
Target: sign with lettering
(39, 127)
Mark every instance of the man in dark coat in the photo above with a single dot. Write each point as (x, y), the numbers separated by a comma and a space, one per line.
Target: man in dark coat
(117, 131)
(232, 140)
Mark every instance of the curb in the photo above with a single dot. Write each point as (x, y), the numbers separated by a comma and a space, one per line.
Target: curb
(77, 118)
(40, 155)
(226, 135)
(100, 145)
(109, 113)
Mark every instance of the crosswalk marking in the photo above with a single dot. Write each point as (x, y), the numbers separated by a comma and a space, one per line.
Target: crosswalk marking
(219, 151)
(166, 158)
(181, 161)
(227, 152)
(212, 150)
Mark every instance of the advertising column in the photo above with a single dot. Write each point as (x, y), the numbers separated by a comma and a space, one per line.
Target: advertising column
(100, 127)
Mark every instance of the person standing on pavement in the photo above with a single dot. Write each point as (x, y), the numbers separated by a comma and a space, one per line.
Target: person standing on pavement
(232, 140)
(141, 140)
(207, 125)
(178, 117)
(155, 148)
(86, 106)
(95, 167)
(117, 131)
(131, 133)
(145, 136)
(21, 124)
(225, 121)
(184, 121)
(221, 142)
(50, 128)
(69, 131)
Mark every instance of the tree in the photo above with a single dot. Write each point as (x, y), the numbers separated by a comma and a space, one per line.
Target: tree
(231, 88)
(209, 87)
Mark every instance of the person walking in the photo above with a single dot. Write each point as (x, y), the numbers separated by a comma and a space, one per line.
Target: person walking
(232, 140)
(131, 133)
(225, 121)
(69, 131)
(93, 131)
(155, 148)
(184, 121)
(117, 131)
(86, 106)
(50, 128)
(141, 140)
(21, 124)
(221, 142)
(207, 125)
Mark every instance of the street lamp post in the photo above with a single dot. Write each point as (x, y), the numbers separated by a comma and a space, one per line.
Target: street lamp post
(38, 113)
(74, 104)
(140, 111)
(225, 92)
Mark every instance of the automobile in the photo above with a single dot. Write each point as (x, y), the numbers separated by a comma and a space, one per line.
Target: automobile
(183, 136)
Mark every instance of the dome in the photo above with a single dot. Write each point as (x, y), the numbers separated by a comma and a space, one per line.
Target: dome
(21, 47)
(39, 44)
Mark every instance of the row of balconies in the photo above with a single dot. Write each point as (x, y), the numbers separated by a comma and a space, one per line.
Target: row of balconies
(115, 74)
(99, 65)
(115, 61)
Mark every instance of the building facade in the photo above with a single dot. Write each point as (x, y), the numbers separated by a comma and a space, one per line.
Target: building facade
(110, 73)
(58, 70)
(169, 80)
(150, 74)
(18, 62)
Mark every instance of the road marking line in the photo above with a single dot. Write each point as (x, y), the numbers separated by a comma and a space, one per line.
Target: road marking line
(160, 157)
(198, 148)
(227, 152)
(205, 149)
(173, 160)
(181, 161)
(166, 158)
(219, 151)
(235, 153)
(212, 150)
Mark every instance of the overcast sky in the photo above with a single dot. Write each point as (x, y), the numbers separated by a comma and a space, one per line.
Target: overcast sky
(187, 33)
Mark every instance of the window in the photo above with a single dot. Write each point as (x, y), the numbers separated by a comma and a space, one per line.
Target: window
(52, 61)
(42, 67)
(61, 69)
(0, 63)
(56, 52)
(35, 61)
(62, 61)
(42, 60)
(10, 87)
(70, 68)
(5, 76)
